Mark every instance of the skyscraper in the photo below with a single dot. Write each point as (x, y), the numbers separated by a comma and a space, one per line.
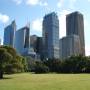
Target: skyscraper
(22, 40)
(9, 34)
(69, 45)
(51, 36)
(75, 26)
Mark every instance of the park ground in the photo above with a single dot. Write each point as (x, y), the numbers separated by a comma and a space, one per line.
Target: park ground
(27, 81)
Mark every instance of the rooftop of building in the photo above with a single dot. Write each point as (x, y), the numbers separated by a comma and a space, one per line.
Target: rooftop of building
(74, 13)
(50, 14)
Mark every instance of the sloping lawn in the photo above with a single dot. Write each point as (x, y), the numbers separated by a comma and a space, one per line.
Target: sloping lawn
(27, 81)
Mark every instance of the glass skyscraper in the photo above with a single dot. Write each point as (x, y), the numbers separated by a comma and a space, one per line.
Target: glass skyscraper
(22, 40)
(9, 34)
(51, 36)
(75, 26)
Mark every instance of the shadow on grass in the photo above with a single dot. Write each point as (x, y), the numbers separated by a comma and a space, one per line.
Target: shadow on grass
(5, 78)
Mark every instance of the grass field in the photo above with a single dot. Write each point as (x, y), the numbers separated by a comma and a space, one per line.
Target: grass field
(28, 81)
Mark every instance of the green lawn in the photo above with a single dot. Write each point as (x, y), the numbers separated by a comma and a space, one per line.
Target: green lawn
(28, 81)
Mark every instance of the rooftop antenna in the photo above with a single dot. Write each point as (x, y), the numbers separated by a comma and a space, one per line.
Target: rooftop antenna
(28, 23)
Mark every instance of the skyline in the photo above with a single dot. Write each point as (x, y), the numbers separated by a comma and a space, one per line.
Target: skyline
(35, 10)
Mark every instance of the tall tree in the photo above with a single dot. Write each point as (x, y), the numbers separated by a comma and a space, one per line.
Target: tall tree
(5, 58)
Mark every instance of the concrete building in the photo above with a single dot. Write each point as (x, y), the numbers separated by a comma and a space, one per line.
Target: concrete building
(69, 45)
(75, 26)
(36, 44)
(9, 34)
(51, 36)
(22, 40)
(39, 45)
(33, 40)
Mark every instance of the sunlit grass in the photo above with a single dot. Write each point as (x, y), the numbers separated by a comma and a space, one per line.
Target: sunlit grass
(29, 81)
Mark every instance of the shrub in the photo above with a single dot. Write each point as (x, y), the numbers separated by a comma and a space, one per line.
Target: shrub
(41, 68)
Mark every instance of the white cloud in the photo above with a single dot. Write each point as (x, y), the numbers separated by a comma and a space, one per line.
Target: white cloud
(88, 0)
(32, 2)
(36, 2)
(60, 3)
(4, 18)
(70, 3)
(87, 34)
(62, 22)
(37, 25)
(86, 23)
(87, 49)
(18, 1)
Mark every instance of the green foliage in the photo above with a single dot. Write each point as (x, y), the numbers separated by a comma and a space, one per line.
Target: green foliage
(54, 65)
(5, 58)
(31, 64)
(10, 61)
(73, 64)
(41, 68)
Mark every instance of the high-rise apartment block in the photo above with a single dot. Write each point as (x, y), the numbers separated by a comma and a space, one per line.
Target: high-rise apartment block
(51, 36)
(75, 26)
(73, 43)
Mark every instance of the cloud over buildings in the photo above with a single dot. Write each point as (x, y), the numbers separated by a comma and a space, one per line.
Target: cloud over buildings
(4, 18)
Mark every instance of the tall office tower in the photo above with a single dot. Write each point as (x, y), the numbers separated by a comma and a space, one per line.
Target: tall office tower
(75, 26)
(22, 40)
(9, 34)
(51, 36)
(69, 45)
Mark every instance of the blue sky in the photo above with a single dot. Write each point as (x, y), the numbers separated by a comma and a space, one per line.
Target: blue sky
(33, 11)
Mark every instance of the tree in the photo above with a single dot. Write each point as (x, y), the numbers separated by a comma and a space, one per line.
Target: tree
(41, 68)
(10, 61)
(75, 64)
(5, 58)
(54, 65)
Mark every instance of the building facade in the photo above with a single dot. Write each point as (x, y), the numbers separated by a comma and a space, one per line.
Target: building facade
(75, 26)
(33, 41)
(9, 34)
(36, 44)
(22, 40)
(51, 36)
(69, 45)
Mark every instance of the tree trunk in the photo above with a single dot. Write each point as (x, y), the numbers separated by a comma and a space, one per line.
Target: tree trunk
(1, 74)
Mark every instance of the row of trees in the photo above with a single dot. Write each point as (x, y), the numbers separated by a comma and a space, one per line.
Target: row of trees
(73, 64)
(10, 61)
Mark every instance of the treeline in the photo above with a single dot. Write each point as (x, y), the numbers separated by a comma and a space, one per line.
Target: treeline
(73, 64)
(10, 61)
